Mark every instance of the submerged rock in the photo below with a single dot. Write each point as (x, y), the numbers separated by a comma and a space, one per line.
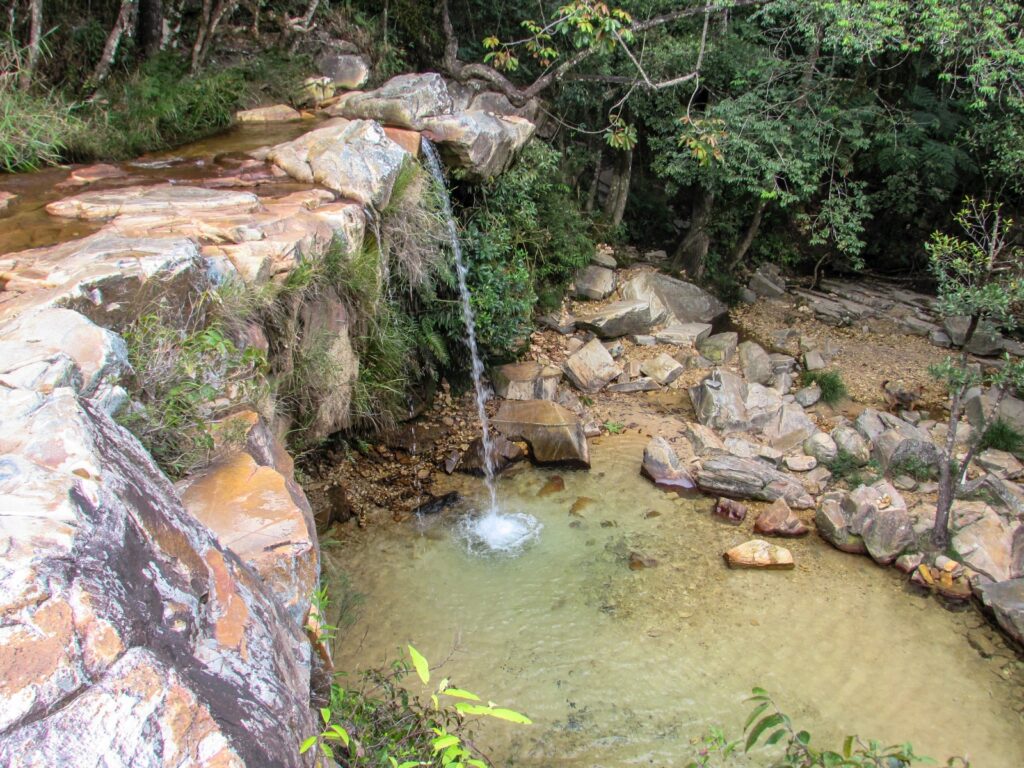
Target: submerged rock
(730, 510)
(661, 465)
(279, 113)
(758, 553)
(554, 434)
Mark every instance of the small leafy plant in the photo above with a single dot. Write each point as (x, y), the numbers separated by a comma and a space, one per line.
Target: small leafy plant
(846, 467)
(831, 384)
(381, 724)
(615, 427)
(1002, 436)
(913, 467)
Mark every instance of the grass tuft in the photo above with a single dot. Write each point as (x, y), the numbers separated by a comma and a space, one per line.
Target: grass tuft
(831, 384)
(1002, 436)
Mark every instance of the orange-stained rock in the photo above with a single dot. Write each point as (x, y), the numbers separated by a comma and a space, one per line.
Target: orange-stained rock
(758, 553)
(780, 520)
(256, 513)
(275, 114)
(406, 139)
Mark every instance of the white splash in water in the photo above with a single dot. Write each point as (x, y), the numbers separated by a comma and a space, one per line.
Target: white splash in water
(494, 531)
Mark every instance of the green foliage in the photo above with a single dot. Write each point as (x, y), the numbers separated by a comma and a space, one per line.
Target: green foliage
(831, 384)
(380, 723)
(913, 467)
(1002, 436)
(769, 726)
(614, 427)
(846, 468)
(184, 380)
(34, 130)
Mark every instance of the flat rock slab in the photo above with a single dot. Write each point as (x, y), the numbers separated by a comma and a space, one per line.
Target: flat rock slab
(526, 381)
(621, 318)
(554, 434)
(758, 553)
(664, 369)
(684, 334)
(160, 199)
(591, 367)
(685, 302)
(643, 384)
(750, 479)
(279, 113)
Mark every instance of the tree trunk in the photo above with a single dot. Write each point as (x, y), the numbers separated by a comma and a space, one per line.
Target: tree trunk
(35, 42)
(209, 20)
(150, 27)
(595, 182)
(748, 237)
(123, 22)
(693, 250)
(618, 194)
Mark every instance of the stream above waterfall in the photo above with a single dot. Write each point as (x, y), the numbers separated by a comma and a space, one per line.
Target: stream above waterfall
(624, 667)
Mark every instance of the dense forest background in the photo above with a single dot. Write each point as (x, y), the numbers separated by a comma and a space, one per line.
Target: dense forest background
(825, 135)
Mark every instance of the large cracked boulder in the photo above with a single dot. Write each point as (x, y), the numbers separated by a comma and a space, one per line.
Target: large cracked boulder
(685, 302)
(130, 635)
(878, 514)
(983, 540)
(834, 523)
(621, 318)
(750, 479)
(553, 433)
(849, 441)
(720, 402)
(481, 143)
(789, 428)
(404, 101)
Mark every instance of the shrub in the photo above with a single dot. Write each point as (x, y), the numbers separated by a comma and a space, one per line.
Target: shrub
(845, 467)
(913, 467)
(831, 384)
(1002, 436)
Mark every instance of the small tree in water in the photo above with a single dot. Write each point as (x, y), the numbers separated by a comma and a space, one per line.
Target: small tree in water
(980, 276)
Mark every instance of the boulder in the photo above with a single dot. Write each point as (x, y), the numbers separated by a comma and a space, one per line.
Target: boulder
(767, 282)
(643, 384)
(756, 365)
(620, 318)
(685, 302)
(404, 101)
(821, 447)
(800, 463)
(758, 553)
(813, 360)
(878, 514)
(265, 519)
(720, 402)
(978, 405)
(750, 479)
(590, 368)
(683, 334)
(997, 462)
(985, 342)
(869, 424)
(594, 283)
(662, 467)
(664, 369)
(762, 405)
(808, 396)
(896, 446)
(279, 113)
(603, 257)
(503, 453)
(346, 70)
(789, 428)
(705, 441)
(1006, 601)
(835, 524)
(780, 520)
(720, 347)
(131, 636)
(554, 434)
(526, 381)
(983, 539)
(166, 199)
(849, 441)
(480, 143)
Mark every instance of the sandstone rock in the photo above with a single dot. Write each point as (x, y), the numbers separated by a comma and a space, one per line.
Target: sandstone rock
(730, 510)
(526, 381)
(849, 440)
(503, 453)
(878, 514)
(758, 553)
(346, 70)
(264, 519)
(835, 524)
(685, 302)
(591, 367)
(982, 539)
(594, 283)
(756, 365)
(661, 465)
(481, 143)
(620, 318)
(720, 347)
(404, 101)
(604, 258)
(790, 428)
(663, 369)
(986, 340)
(158, 199)
(554, 434)
(720, 402)
(821, 447)
(813, 361)
(780, 520)
(808, 396)
(768, 283)
(279, 113)
(762, 404)
(102, 576)
(643, 384)
(895, 446)
(800, 463)
(1006, 601)
(705, 441)
(750, 479)
(683, 334)
(997, 462)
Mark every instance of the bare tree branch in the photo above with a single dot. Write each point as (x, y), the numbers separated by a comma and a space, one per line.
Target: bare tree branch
(121, 25)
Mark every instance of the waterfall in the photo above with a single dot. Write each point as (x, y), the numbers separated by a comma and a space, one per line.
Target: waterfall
(494, 530)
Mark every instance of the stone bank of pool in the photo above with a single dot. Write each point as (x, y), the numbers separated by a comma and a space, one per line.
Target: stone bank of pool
(621, 667)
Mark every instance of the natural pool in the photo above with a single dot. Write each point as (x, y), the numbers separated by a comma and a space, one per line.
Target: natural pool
(622, 667)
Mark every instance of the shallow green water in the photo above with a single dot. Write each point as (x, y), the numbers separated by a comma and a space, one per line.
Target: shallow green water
(620, 667)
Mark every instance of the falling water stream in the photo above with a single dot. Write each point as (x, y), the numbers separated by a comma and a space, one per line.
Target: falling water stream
(493, 531)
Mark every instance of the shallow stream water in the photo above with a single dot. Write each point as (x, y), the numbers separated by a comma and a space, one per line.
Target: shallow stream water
(621, 667)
